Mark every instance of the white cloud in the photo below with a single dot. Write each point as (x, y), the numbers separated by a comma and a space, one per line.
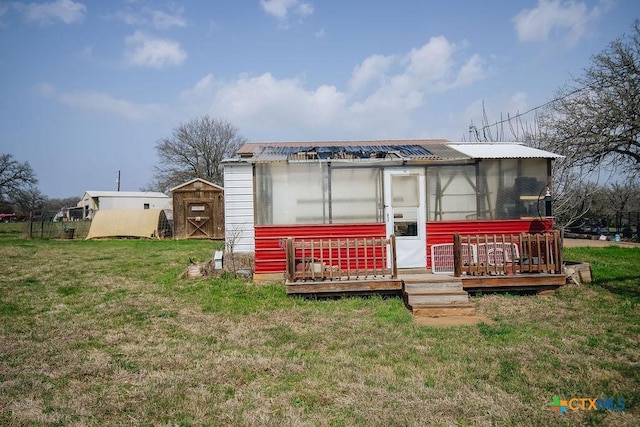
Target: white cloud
(565, 21)
(384, 96)
(105, 103)
(283, 9)
(471, 72)
(384, 93)
(152, 18)
(162, 20)
(402, 81)
(372, 70)
(146, 51)
(66, 11)
(270, 102)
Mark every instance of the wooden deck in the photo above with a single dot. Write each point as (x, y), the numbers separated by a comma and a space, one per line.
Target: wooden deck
(513, 283)
(326, 268)
(345, 287)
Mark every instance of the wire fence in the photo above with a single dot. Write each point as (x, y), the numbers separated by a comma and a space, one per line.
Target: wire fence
(47, 226)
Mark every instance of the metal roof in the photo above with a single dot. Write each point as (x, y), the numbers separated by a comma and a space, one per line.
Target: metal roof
(142, 194)
(252, 147)
(340, 150)
(501, 150)
(411, 150)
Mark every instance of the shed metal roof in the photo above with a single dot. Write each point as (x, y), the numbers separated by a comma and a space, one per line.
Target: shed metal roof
(141, 194)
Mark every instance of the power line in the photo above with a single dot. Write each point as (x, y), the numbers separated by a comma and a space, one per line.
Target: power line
(509, 118)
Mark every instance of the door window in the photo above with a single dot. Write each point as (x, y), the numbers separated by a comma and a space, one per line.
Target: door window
(405, 201)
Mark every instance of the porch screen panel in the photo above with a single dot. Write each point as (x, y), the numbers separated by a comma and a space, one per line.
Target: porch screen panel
(451, 192)
(513, 188)
(356, 195)
(263, 212)
(291, 193)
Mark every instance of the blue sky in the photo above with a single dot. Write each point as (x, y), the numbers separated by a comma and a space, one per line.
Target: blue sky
(88, 87)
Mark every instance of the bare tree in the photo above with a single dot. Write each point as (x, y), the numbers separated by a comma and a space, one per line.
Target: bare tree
(574, 187)
(195, 150)
(27, 200)
(594, 123)
(14, 176)
(55, 204)
(619, 196)
(596, 120)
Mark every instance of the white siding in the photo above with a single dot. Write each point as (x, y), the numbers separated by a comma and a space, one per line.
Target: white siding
(93, 201)
(238, 207)
(134, 203)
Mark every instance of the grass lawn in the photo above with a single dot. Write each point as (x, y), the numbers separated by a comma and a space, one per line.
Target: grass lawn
(105, 332)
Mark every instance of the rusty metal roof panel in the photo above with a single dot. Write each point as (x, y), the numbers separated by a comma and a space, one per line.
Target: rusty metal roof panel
(445, 152)
(343, 150)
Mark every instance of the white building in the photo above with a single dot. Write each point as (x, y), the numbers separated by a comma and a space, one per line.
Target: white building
(93, 201)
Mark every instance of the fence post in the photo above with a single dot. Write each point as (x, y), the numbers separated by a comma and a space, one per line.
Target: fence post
(558, 245)
(291, 259)
(457, 255)
(394, 266)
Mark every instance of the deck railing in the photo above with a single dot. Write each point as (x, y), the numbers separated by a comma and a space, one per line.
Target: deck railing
(341, 259)
(507, 254)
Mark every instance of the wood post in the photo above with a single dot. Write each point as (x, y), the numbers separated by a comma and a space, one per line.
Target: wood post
(394, 265)
(457, 255)
(291, 260)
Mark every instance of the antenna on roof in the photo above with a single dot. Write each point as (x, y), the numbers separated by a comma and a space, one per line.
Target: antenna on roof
(118, 181)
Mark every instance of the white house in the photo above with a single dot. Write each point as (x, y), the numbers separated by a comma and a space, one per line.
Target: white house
(93, 201)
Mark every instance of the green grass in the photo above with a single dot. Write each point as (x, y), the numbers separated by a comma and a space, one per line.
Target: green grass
(107, 332)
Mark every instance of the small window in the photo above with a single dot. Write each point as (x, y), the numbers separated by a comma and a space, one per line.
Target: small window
(146, 205)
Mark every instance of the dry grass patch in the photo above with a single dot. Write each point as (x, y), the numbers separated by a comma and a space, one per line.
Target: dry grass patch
(103, 333)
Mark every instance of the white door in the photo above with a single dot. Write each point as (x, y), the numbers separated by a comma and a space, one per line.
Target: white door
(405, 215)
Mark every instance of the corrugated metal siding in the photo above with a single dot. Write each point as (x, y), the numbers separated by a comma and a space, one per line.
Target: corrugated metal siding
(238, 198)
(270, 240)
(442, 231)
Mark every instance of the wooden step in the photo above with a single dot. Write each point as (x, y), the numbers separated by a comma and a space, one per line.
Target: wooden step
(451, 284)
(444, 310)
(436, 297)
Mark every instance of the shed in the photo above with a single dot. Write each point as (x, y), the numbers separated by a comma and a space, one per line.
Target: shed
(420, 191)
(198, 210)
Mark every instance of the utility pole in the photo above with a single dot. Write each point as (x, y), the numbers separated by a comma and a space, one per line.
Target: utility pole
(118, 181)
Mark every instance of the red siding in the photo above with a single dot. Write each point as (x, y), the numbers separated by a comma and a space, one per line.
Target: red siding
(442, 231)
(270, 240)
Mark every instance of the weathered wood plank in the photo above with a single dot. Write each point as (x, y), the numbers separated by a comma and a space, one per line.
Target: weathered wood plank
(344, 286)
(513, 281)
